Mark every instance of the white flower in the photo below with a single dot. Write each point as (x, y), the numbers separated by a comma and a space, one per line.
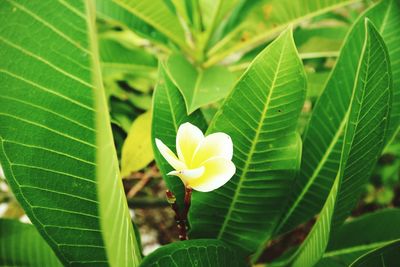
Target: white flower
(203, 163)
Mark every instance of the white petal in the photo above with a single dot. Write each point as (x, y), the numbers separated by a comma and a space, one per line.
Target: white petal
(169, 156)
(213, 145)
(187, 140)
(189, 174)
(218, 171)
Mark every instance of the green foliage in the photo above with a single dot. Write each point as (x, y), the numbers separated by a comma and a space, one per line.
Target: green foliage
(372, 90)
(142, 13)
(64, 175)
(87, 86)
(262, 20)
(261, 116)
(199, 252)
(323, 137)
(168, 113)
(198, 87)
(362, 235)
(21, 245)
(116, 59)
(387, 255)
(137, 151)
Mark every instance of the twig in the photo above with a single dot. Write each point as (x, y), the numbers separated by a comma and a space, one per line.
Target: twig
(187, 201)
(180, 218)
(144, 179)
(139, 186)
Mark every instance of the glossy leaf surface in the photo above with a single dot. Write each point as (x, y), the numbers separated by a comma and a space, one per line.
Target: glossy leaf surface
(323, 137)
(199, 87)
(56, 144)
(361, 235)
(260, 115)
(200, 252)
(385, 256)
(21, 245)
(363, 142)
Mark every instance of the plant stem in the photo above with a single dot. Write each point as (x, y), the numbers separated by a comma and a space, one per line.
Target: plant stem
(180, 218)
(187, 201)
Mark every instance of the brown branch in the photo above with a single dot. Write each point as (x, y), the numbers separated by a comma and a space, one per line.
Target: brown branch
(180, 218)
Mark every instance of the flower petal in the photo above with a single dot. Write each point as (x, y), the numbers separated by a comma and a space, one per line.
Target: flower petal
(169, 156)
(187, 140)
(213, 145)
(189, 174)
(217, 172)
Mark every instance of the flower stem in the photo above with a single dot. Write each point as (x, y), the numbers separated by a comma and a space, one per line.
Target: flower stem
(187, 201)
(180, 218)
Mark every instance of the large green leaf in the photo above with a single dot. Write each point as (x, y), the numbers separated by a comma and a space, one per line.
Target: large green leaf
(261, 116)
(199, 87)
(52, 104)
(265, 20)
(168, 114)
(364, 136)
(361, 235)
(155, 13)
(21, 245)
(199, 252)
(324, 135)
(386, 256)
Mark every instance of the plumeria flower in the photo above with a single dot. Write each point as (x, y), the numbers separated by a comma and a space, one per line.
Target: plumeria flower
(204, 163)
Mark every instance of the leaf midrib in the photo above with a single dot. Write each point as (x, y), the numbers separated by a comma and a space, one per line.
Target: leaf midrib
(200, 74)
(252, 148)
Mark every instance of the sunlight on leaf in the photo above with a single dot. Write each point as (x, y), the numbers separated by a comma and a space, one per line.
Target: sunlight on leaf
(137, 151)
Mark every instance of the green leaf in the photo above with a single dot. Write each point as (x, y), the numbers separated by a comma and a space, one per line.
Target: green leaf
(168, 114)
(314, 42)
(265, 20)
(390, 31)
(137, 151)
(199, 252)
(365, 128)
(52, 104)
(385, 256)
(214, 11)
(117, 59)
(361, 235)
(183, 9)
(212, 15)
(315, 83)
(324, 135)
(21, 245)
(198, 87)
(261, 116)
(114, 13)
(155, 13)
